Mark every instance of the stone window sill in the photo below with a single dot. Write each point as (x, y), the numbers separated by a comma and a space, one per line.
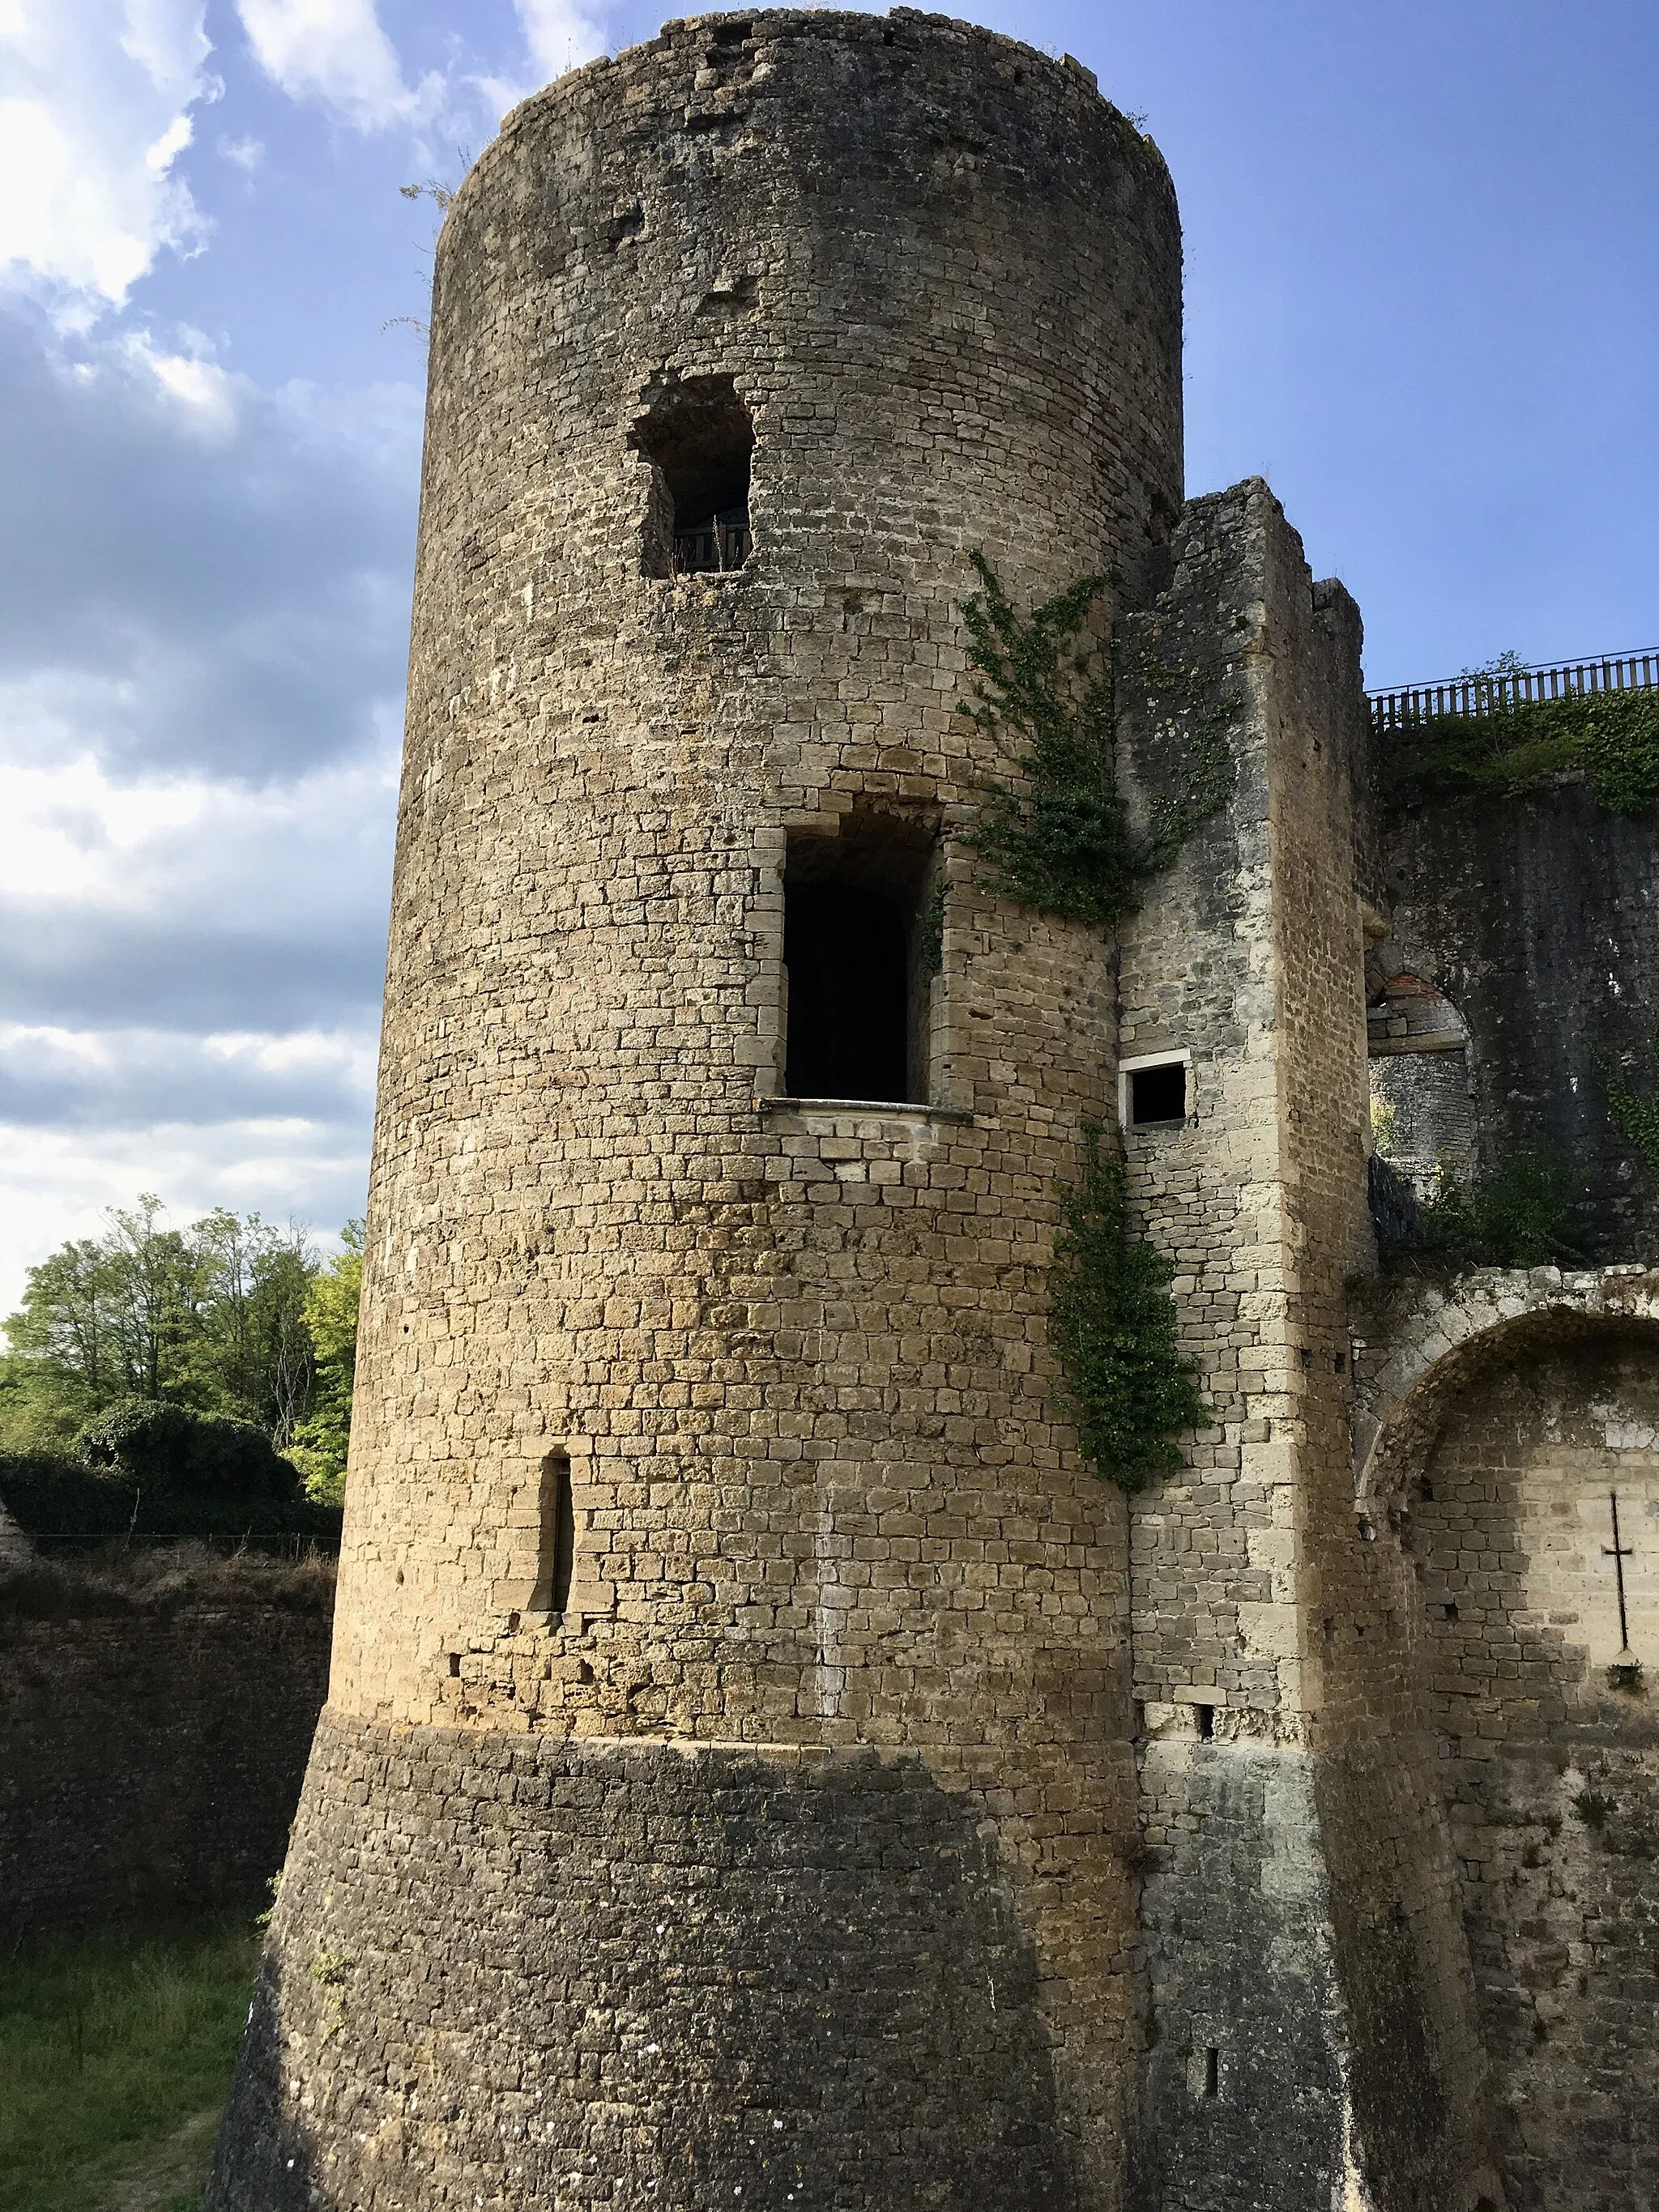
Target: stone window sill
(885, 1108)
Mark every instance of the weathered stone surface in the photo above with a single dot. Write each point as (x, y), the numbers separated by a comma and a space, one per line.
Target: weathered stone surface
(152, 1742)
(527, 1970)
(1539, 919)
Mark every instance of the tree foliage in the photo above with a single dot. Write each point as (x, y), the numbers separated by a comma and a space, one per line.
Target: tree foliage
(182, 1364)
(331, 1316)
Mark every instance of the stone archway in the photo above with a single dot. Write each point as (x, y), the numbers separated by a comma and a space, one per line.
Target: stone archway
(1423, 1341)
(1506, 1415)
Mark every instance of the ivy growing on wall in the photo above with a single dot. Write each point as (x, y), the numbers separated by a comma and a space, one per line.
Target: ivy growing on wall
(1611, 738)
(1637, 1113)
(1053, 830)
(1054, 834)
(1112, 1323)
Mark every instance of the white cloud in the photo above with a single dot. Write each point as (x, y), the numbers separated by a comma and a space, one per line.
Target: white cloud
(335, 51)
(57, 1182)
(205, 395)
(94, 114)
(75, 837)
(558, 35)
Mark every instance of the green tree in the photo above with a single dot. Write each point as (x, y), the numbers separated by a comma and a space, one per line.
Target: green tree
(331, 1316)
(107, 1317)
(212, 1317)
(252, 1356)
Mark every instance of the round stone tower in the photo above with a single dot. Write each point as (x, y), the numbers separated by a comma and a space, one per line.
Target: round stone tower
(725, 1789)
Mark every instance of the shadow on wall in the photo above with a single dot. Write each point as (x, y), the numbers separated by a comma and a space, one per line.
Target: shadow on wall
(154, 1721)
(812, 1993)
(1541, 1637)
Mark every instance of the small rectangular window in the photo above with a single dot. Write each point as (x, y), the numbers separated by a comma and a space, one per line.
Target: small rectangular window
(556, 1534)
(857, 964)
(1157, 1092)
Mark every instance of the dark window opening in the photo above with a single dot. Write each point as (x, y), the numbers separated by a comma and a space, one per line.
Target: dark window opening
(1212, 2073)
(699, 441)
(556, 1529)
(854, 957)
(1157, 1094)
(1206, 1722)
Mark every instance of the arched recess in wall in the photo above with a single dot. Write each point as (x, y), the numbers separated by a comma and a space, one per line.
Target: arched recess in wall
(1521, 1472)
(1422, 1107)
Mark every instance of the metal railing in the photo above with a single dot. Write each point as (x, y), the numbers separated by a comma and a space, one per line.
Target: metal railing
(1414, 704)
(718, 547)
(286, 1549)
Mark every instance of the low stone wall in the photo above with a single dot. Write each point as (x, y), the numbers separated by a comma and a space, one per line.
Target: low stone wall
(154, 1729)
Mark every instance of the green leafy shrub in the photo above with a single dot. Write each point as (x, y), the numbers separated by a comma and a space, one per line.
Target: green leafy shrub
(1610, 736)
(1518, 1215)
(1112, 1323)
(52, 1494)
(1055, 834)
(195, 1474)
(1636, 1112)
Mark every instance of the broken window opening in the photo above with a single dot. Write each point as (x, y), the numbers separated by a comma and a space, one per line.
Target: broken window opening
(857, 997)
(700, 440)
(1212, 2072)
(556, 1531)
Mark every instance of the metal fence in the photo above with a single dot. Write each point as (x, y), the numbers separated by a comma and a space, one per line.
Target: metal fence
(290, 1550)
(719, 546)
(1417, 703)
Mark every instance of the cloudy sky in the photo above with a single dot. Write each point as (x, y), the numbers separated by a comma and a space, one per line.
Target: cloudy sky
(1423, 285)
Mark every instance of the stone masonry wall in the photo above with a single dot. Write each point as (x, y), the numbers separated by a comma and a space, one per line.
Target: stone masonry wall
(531, 1969)
(1539, 919)
(1300, 1910)
(151, 1744)
(1507, 1412)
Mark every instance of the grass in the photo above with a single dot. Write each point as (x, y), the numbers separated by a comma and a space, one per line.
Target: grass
(115, 2056)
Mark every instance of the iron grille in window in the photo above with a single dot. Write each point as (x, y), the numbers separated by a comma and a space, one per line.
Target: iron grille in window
(723, 541)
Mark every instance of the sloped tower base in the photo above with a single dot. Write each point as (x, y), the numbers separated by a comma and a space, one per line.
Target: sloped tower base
(507, 1970)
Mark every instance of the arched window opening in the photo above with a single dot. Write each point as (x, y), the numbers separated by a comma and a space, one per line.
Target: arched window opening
(699, 439)
(858, 962)
(556, 1537)
(1422, 1111)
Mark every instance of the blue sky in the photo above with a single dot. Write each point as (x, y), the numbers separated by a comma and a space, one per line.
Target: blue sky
(1423, 300)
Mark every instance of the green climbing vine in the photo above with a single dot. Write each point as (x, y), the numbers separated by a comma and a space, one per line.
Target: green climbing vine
(931, 947)
(1611, 738)
(1112, 1323)
(1515, 1214)
(1636, 1112)
(1053, 831)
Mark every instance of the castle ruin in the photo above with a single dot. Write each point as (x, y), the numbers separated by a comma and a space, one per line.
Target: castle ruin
(765, 1766)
